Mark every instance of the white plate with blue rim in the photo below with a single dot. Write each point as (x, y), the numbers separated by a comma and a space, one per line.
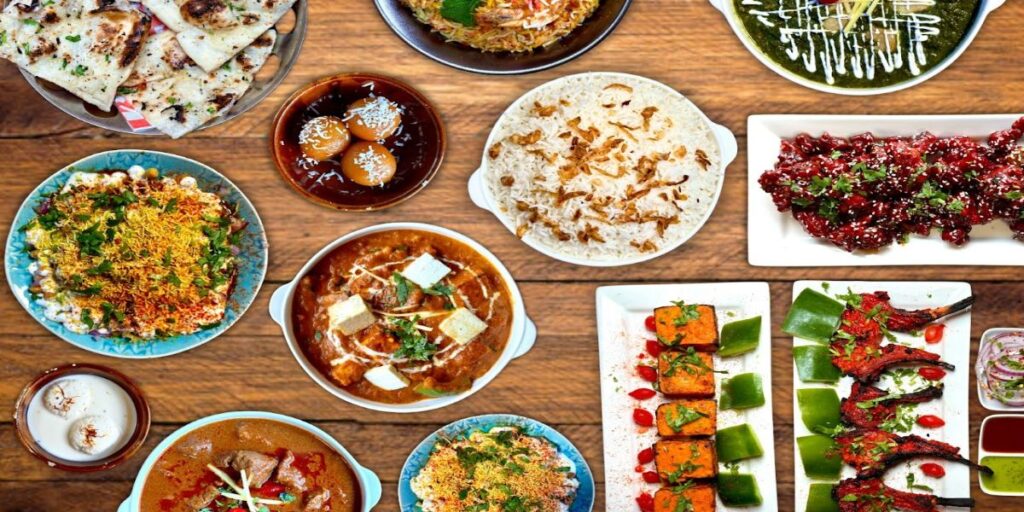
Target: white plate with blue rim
(409, 502)
(251, 257)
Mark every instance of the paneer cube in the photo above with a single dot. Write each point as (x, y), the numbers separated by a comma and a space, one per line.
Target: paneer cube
(350, 315)
(699, 498)
(386, 377)
(687, 418)
(426, 271)
(686, 374)
(462, 326)
(678, 460)
(687, 325)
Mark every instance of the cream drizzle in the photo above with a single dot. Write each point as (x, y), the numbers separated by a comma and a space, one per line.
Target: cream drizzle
(805, 21)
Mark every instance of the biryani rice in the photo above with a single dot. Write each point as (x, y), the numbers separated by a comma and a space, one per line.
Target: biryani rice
(603, 167)
(524, 30)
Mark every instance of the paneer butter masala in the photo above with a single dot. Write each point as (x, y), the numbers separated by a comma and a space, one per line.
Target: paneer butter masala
(250, 464)
(403, 315)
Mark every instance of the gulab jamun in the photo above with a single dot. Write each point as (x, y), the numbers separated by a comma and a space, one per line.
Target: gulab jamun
(368, 164)
(373, 118)
(324, 137)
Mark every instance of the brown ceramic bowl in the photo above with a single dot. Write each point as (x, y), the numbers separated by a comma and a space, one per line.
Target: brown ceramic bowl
(142, 419)
(419, 145)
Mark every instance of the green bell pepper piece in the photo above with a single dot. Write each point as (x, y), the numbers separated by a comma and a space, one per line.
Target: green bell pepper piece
(737, 443)
(814, 364)
(742, 392)
(814, 316)
(738, 490)
(460, 11)
(740, 337)
(820, 499)
(820, 455)
(819, 408)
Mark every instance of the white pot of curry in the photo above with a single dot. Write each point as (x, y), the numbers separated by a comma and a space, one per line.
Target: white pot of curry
(403, 317)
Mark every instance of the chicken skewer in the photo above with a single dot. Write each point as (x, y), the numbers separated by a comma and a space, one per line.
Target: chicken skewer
(871, 495)
(868, 407)
(872, 452)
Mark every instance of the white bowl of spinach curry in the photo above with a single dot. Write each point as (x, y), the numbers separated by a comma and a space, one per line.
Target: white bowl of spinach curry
(857, 47)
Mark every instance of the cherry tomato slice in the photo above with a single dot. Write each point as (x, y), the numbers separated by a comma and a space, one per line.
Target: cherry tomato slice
(642, 393)
(649, 323)
(651, 477)
(648, 373)
(933, 333)
(654, 348)
(646, 502)
(933, 470)
(643, 418)
(931, 373)
(646, 456)
(930, 421)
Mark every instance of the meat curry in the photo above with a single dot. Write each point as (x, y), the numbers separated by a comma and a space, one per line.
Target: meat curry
(250, 464)
(403, 315)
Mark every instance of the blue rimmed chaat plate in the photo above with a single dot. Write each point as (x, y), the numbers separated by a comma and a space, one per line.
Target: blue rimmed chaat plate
(251, 258)
(584, 501)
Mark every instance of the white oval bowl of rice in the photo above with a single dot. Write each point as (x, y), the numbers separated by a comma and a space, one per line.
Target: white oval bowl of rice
(603, 169)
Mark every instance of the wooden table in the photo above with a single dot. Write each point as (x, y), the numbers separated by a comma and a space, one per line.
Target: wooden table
(684, 43)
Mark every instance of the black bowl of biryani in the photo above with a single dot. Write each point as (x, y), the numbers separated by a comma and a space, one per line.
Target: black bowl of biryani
(503, 37)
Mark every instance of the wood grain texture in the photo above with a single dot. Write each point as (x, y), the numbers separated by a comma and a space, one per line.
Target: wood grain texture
(684, 43)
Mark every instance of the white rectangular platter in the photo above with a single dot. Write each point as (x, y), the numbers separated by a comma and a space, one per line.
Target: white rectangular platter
(621, 311)
(954, 348)
(775, 239)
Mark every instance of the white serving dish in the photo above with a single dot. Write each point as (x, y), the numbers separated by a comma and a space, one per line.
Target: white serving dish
(369, 482)
(955, 348)
(621, 311)
(776, 239)
(986, 402)
(984, 453)
(521, 338)
(482, 197)
(986, 8)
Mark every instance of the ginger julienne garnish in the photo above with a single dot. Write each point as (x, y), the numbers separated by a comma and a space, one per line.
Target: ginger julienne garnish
(133, 254)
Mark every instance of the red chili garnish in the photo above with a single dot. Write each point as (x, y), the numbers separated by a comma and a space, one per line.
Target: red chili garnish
(270, 489)
(933, 470)
(643, 418)
(648, 373)
(646, 456)
(933, 333)
(639, 469)
(931, 373)
(654, 348)
(646, 502)
(649, 323)
(642, 393)
(930, 421)
(237, 509)
(651, 477)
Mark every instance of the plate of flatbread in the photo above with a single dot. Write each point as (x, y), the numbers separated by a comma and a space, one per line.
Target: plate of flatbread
(153, 67)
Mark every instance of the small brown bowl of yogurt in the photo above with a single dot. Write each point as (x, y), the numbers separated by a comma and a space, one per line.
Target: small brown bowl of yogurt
(82, 417)
(358, 141)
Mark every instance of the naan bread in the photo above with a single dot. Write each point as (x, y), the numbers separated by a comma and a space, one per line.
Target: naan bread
(87, 47)
(176, 96)
(212, 31)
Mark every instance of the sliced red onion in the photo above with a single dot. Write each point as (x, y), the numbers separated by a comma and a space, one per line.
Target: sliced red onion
(1000, 368)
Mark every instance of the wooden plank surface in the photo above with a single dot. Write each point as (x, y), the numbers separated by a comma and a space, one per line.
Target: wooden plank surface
(684, 43)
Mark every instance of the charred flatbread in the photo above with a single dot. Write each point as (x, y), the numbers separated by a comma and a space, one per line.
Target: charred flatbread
(213, 31)
(177, 96)
(87, 47)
